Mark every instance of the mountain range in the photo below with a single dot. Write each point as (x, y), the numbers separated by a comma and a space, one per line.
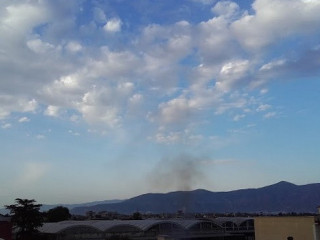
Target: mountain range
(279, 197)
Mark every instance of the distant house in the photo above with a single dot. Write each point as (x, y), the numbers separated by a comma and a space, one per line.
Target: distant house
(5, 228)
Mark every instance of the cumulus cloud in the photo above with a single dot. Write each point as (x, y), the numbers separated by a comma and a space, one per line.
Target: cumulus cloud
(175, 74)
(22, 17)
(38, 46)
(215, 41)
(100, 106)
(10, 103)
(175, 110)
(231, 73)
(52, 111)
(136, 99)
(113, 25)
(74, 46)
(226, 8)
(274, 20)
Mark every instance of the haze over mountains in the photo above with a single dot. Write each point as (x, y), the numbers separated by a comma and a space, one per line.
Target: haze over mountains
(279, 197)
(46, 207)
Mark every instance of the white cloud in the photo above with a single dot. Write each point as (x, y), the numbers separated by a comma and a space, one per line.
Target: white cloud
(159, 66)
(173, 137)
(73, 133)
(52, 111)
(270, 115)
(24, 119)
(176, 110)
(40, 136)
(112, 65)
(10, 103)
(238, 117)
(136, 99)
(99, 15)
(231, 73)
(113, 25)
(273, 64)
(99, 107)
(215, 41)
(186, 136)
(22, 17)
(276, 19)
(6, 125)
(226, 8)
(40, 47)
(239, 102)
(63, 92)
(74, 47)
(264, 91)
(263, 107)
(68, 82)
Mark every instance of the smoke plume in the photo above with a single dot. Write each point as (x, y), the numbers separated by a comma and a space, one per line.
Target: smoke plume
(179, 173)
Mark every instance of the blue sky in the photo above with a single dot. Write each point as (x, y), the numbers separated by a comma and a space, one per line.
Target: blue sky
(111, 99)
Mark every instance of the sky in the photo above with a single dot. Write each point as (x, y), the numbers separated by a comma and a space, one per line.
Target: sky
(112, 99)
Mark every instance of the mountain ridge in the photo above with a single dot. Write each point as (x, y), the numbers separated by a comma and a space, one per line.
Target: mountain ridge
(279, 197)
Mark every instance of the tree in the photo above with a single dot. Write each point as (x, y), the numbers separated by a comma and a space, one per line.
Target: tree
(58, 214)
(136, 216)
(26, 218)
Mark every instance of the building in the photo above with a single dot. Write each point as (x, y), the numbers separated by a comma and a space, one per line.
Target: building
(222, 228)
(151, 229)
(5, 228)
(287, 228)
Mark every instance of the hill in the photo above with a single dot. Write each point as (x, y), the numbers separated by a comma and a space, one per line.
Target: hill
(46, 207)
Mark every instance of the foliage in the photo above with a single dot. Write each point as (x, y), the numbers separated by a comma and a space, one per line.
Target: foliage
(136, 216)
(26, 217)
(58, 214)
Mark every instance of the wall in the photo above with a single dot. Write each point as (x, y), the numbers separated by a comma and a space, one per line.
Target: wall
(280, 228)
(5, 230)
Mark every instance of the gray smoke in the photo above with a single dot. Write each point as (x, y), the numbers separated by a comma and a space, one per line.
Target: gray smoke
(180, 173)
